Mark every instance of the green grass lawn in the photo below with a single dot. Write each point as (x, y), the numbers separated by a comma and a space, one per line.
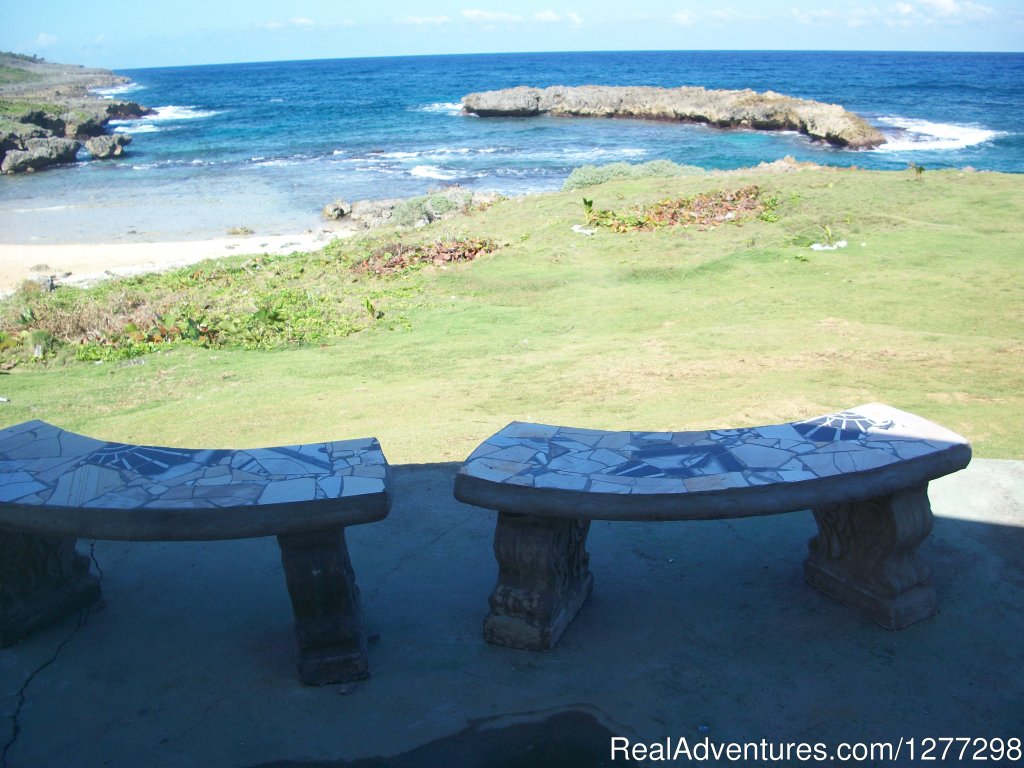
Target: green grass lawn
(675, 328)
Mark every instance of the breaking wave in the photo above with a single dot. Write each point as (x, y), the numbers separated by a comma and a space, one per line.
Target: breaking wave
(450, 108)
(432, 172)
(907, 134)
(117, 91)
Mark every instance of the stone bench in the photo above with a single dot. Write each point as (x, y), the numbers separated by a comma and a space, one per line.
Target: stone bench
(864, 473)
(56, 487)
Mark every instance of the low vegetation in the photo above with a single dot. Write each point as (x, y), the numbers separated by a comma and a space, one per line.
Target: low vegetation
(13, 75)
(401, 336)
(592, 175)
(256, 302)
(703, 210)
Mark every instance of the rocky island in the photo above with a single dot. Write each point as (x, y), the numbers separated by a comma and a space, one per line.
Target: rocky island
(47, 113)
(768, 111)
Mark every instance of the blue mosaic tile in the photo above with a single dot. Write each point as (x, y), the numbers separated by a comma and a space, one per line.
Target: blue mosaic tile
(856, 440)
(42, 465)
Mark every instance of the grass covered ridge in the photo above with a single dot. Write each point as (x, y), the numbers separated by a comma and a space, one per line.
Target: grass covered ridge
(672, 328)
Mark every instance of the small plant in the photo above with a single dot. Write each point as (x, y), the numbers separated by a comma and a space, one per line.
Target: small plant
(770, 213)
(241, 231)
(828, 236)
(829, 240)
(371, 311)
(918, 171)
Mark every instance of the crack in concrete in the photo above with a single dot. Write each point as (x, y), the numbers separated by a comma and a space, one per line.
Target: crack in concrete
(417, 551)
(83, 618)
(755, 544)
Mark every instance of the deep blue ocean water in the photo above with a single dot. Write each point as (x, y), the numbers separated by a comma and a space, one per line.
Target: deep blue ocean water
(268, 145)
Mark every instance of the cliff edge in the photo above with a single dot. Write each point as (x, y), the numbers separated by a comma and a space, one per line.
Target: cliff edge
(768, 111)
(47, 112)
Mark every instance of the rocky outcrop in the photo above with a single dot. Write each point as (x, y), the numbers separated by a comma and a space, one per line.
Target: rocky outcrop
(40, 153)
(768, 111)
(49, 110)
(407, 212)
(339, 209)
(106, 147)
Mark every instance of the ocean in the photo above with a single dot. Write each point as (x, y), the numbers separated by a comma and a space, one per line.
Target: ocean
(267, 145)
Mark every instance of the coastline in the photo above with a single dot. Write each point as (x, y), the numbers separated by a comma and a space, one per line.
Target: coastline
(88, 264)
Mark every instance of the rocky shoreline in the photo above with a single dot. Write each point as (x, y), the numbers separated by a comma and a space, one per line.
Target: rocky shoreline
(768, 111)
(48, 113)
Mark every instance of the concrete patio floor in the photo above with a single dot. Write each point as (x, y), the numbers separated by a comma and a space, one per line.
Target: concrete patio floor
(700, 629)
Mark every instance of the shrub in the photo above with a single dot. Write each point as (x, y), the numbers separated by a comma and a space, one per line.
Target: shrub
(591, 175)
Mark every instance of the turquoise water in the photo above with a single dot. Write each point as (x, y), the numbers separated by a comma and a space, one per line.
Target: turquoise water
(268, 145)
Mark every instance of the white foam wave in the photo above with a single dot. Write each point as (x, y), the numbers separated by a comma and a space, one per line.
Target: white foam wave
(44, 208)
(451, 108)
(432, 172)
(280, 162)
(907, 134)
(133, 126)
(174, 112)
(582, 155)
(442, 151)
(117, 90)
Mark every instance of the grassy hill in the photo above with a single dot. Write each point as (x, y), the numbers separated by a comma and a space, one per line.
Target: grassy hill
(678, 327)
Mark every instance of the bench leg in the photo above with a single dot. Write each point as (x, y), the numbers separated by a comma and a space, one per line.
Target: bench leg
(43, 579)
(543, 580)
(325, 600)
(865, 556)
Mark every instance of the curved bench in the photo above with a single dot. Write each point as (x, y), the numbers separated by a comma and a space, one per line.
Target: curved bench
(56, 487)
(863, 472)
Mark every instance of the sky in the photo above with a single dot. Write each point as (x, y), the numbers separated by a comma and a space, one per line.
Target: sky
(128, 34)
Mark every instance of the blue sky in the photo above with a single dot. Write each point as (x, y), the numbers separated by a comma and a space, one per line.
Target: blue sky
(122, 34)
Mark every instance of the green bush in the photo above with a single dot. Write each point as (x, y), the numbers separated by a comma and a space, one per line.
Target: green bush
(429, 207)
(591, 175)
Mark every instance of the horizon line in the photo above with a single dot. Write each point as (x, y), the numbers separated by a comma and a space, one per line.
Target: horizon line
(563, 52)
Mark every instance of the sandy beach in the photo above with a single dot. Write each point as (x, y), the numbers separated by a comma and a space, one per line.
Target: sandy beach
(85, 264)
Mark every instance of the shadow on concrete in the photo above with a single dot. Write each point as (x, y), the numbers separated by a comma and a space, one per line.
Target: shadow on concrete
(694, 628)
(565, 740)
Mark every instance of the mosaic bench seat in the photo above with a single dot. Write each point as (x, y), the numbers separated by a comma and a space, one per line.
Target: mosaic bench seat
(57, 486)
(864, 473)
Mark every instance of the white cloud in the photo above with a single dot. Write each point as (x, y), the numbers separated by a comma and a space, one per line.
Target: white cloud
(959, 9)
(906, 13)
(550, 17)
(945, 7)
(717, 17)
(730, 15)
(814, 17)
(491, 17)
(424, 21)
(45, 40)
(301, 22)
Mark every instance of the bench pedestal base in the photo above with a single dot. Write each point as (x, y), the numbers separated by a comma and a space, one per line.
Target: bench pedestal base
(325, 601)
(865, 557)
(43, 579)
(543, 580)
